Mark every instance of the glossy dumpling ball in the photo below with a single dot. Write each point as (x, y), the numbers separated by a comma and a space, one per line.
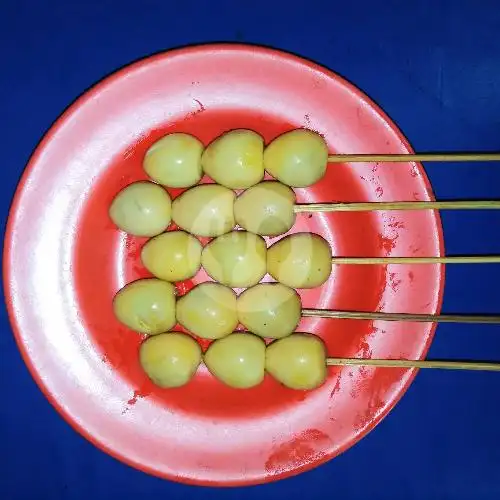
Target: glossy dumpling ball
(146, 306)
(172, 256)
(208, 310)
(301, 260)
(298, 158)
(141, 209)
(267, 209)
(205, 210)
(237, 360)
(269, 310)
(235, 159)
(297, 361)
(170, 359)
(236, 259)
(175, 160)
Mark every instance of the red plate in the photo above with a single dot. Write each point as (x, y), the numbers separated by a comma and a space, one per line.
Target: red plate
(64, 260)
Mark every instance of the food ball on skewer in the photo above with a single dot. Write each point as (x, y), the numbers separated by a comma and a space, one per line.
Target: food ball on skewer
(237, 360)
(172, 256)
(297, 361)
(208, 310)
(298, 158)
(236, 259)
(205, 210)
(270, 310)
(146, 306)
(235, 159)
(141, 209)
(175, 160)
(267, 209)
(301, 260)
(170, 359)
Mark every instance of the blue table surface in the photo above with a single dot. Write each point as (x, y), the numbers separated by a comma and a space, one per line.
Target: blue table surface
(434, 66)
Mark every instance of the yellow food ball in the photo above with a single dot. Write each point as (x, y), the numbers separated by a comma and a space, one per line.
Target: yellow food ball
(141, 209)
(236, 259)
(267, 209)
(146, 306)
(269, 310)
(170, 359)
(297, 158)
(297, 361)
(208, 310)
(235, 159)
(205, 210)
(237, 360)
(172, 256)
(301, 260)
(175, 160)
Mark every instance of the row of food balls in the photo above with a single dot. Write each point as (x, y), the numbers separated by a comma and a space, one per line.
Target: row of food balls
(145, 209)
(237, 259)
(238, 159)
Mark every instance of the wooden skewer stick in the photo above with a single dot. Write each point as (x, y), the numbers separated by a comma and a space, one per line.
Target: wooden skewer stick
(396, 158)
(466, 259)
(385, 316)
(407, 363)
(398, 205)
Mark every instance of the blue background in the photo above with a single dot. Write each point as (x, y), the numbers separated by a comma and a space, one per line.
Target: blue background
(434, 66)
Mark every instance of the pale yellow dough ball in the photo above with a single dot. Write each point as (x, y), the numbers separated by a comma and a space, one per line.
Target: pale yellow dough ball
(172, 256)
(298, 158)
(170, 359)
(297, 361)
(146, 306)
(236, 259)
(269, 310)
(208, 310)
(267, 209)
(205, 210)
(237, 360)
(141, 209)
(175, 160)
(301, 260)
(235, 159)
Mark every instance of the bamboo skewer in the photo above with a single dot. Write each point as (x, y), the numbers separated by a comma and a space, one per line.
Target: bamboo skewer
(465, 259)
(398, 205)
(412, 205)
(385, 316)
(396, 158)
(407, 363)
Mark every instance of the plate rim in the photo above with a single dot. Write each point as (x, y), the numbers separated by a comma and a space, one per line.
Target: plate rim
(69, 111)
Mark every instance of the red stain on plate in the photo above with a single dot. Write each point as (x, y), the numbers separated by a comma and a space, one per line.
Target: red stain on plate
(304, 448)
(387, 243)
(394, 281)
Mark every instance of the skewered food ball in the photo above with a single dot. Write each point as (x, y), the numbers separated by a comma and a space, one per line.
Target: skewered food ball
(297, 361)
(146, 306)
(208, 310)
(237, 360)
(297, 158)
(172, 256)
(141, 209)
(267, 209)
(235, 159)
(269, 310)
(236, 259)
(175, 160)
(205, 210)
(170, 359)
(301, 260)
